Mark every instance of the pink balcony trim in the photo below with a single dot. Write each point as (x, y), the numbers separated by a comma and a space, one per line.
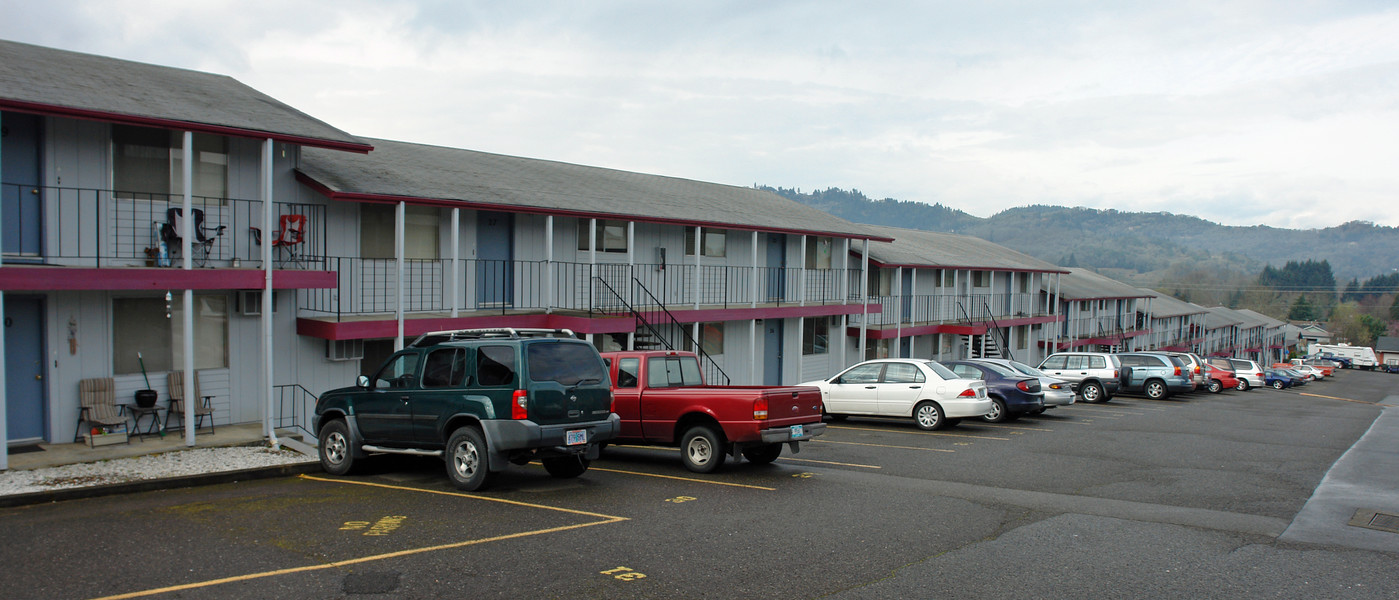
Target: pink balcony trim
(43, 278)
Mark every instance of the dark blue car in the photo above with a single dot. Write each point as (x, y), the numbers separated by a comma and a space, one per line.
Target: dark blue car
(1012, 394)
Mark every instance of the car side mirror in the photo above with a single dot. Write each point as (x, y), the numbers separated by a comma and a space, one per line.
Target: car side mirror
(363, 381)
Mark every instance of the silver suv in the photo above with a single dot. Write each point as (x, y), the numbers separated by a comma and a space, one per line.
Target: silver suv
(1249, 373)
(1096, 375)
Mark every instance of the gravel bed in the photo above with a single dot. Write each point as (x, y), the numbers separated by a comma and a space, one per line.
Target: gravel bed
(151, 466)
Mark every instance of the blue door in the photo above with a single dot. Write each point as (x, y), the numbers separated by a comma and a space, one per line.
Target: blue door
(19, 171)
(772, 351)
(776, 267)
(25, 400)
(495, 270)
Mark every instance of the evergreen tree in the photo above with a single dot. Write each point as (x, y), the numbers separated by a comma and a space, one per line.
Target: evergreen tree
(1301, 310)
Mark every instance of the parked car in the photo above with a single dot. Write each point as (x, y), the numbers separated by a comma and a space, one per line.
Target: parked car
(1012, 394)
(661, 399)
(1315, 373)
(478, 398)
(1155, 375)
(1220, 379)
(1298, 377)
(1097, 374)
(1250, 373)
(1285, 378)
(1195, 365)
(932, 395)
(1057, 392)
(1328, 368)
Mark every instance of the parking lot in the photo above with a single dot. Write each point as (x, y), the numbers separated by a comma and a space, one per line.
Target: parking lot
(1185, 497)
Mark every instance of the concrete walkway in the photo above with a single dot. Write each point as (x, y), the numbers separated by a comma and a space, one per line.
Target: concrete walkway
(54, 455)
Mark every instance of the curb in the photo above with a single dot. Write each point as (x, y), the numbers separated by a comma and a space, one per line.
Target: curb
(165, 483)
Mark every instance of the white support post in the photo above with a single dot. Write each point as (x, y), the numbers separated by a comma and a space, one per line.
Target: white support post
(398, 243)
(550, 292)
(454, 281)
(268, 376)
(754, 278)
(186, 248)
(753, 351)
(899, 312)
(864, 298)
(801, 278)
(699, 247)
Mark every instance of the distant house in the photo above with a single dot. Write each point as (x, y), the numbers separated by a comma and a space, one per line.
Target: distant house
(1314, 333)
(1387, 350)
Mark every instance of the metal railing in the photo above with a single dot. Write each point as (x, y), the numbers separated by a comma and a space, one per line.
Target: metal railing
(106, 228)
(293, 402)
(658, 324)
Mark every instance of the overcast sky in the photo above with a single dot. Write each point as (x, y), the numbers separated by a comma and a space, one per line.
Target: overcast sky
(1244, 113)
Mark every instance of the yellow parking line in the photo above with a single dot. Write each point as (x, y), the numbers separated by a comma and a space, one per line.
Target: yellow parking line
(742, 485)
(607, 519)
(827, 462)
(1335, 398)
(1015, 427)
(883, 446)
(979, 437)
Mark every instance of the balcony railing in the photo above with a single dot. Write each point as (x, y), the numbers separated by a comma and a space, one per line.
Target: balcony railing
(369, 286)
(106, 228)
(934, 309)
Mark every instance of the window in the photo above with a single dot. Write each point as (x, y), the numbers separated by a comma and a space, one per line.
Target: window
(981, 278)
(149, 163)
(678, 371)
(816, 335)
(968, 372)
(565, 364)
(903, 373)
(711, 339)
(1054, 362)
(376, 231)
(862, 374)
(627, 370)
(1077, 361)
(139, 325)
(398, 373)
(611, 235)
(445, 368)
(715, 242)
(818, 252)
(495, 365)
(949, 278)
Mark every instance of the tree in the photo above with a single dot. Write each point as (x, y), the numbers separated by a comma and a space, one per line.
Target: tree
(1394, 309)
(1301, 310)
(1354, 326)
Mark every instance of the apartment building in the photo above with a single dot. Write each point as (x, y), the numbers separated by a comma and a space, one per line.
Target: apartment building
(1174, 325)
(1100, 313)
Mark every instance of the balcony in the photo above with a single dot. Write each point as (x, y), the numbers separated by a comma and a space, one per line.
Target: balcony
(370, 287)
(80, 227)
(941, 309)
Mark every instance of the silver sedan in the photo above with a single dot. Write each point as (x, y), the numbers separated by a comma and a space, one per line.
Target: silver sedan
(1057, 392)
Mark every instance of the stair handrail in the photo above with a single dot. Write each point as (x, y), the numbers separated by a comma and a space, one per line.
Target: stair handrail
(996, 327)
(705, 359)
(298, 398)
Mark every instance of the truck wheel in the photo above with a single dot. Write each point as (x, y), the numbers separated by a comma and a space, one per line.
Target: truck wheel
(467, 465)
(337, 456)
(1093, 392)
(702, 449)
(764, 454)
(566, 467)
(928, 416)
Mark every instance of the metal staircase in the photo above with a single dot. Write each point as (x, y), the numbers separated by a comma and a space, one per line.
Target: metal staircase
(656, 327)
(991, 344)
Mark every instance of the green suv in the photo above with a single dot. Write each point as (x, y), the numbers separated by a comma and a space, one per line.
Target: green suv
(478, 398)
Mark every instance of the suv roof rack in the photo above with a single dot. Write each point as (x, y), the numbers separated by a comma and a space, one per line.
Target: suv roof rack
(438, 337)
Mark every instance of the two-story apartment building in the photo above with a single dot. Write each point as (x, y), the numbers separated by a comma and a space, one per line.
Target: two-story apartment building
(1222, 336)
(1100, 313)
(103, 276)
(1272, 336)
(949, 296)
(1174, 325)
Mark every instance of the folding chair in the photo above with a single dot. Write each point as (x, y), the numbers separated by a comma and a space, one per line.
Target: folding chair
(203, 242)
(290, 240)
(97, 406)
(176, 382)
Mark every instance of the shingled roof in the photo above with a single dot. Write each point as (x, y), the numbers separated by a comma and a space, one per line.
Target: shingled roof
(419, 173)
(929, 249)
(47, 81)
(1164, 306)
(1082, 284)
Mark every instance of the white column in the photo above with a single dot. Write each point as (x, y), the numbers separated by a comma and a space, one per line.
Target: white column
(699, 247)
(864, 298)
(268, 376)
(753, 351)
(754, 278)
(550, 292)
(398, 260)
(186, 248)
(454, 281)
(899, 312)
(801, 278)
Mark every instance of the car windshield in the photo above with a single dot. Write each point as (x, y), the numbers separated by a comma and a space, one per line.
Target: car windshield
(942, 371)
(1027, 369)
(1002, 370)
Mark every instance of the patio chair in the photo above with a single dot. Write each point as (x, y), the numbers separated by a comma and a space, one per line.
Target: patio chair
(205, 408)
(97, 406)
(203, 243)
(289, 242)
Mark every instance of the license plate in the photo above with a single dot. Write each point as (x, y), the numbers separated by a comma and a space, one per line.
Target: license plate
(797, 431)
(573, 437)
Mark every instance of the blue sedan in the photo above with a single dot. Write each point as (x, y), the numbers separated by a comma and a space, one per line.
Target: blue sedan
(1012, 394)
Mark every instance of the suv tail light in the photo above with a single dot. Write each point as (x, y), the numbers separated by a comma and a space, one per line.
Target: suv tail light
(1022, 386)
(1177, 371)
(760, 409)
(967, 393)
(519, 405)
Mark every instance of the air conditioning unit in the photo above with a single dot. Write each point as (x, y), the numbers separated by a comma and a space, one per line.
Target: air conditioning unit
(250, 303)
(340, 350)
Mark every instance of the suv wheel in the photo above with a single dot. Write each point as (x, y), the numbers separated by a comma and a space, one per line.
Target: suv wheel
(1093, 392)
(337, 457)
(928, 416)
(702, 449)
(1156, 390)
(566, 467)
(467, 465)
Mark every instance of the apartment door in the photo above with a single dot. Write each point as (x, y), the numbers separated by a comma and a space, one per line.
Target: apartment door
(495, 268)
(777, 267)
(22, 199)
(26, 401)
(772, 351)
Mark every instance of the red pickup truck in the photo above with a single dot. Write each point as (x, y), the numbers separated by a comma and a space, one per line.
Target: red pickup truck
(662, 400)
